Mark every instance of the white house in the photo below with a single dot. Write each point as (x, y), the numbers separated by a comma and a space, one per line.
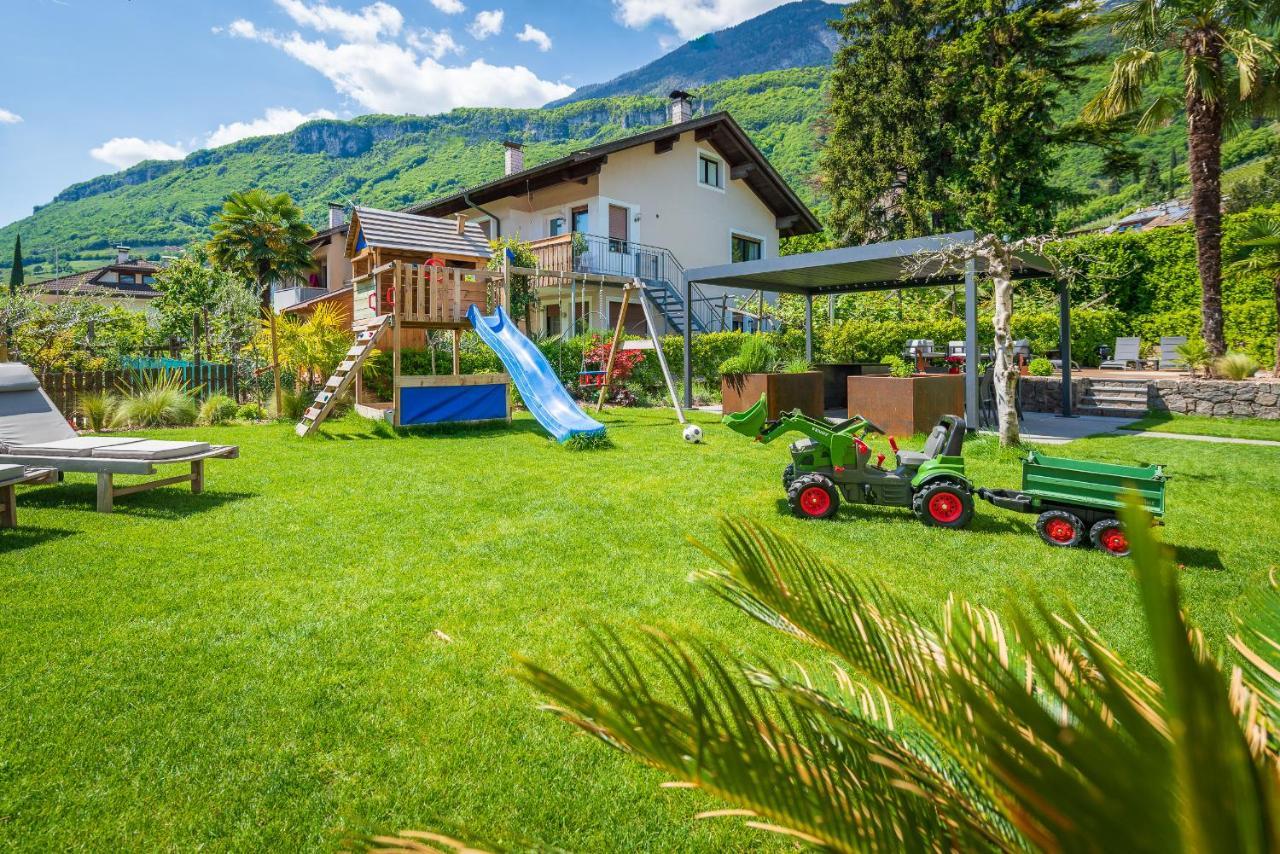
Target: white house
(693, 193)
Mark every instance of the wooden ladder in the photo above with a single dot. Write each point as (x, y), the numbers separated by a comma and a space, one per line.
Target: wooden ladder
(343, 376)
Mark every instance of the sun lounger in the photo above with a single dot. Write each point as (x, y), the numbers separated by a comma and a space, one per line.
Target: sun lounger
(1128, 355)
(34, 433)
(12, 476)
(1170, 358)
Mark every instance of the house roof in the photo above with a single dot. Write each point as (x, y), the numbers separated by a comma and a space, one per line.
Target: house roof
(404, 231)
(322, 237)
(745, 162)
(88, 282)
(339, 296)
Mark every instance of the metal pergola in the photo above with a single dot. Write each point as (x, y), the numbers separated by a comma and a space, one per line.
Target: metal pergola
(879, 267)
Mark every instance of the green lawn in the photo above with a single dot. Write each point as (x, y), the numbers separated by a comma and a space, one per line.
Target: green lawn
(1206, 425)
(259, 666)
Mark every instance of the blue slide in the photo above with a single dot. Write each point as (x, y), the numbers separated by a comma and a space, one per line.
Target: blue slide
(540, 388)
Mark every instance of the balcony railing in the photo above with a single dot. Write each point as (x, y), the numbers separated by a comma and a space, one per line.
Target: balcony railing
(288, 296)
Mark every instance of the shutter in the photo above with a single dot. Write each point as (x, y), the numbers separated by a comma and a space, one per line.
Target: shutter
(617, 223)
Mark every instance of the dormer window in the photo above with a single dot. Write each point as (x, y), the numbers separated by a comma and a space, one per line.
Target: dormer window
(710, 171)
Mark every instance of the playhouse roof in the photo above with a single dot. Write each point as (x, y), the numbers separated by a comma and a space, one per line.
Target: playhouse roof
(413, 233)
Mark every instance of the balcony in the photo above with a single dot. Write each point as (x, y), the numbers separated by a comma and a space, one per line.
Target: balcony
(592, 253)
(285, 297)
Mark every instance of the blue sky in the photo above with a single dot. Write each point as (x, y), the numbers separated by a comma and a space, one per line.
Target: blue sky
(92, 86)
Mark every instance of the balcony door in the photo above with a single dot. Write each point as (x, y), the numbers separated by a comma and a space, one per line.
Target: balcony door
(619, 229)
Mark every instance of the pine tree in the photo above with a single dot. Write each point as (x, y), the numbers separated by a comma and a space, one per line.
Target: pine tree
(942, 115)
(16, 276)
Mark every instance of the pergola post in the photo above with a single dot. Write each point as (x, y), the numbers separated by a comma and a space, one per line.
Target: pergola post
(688, 342)
(808, 328)
(971, 344)
(1064, 345)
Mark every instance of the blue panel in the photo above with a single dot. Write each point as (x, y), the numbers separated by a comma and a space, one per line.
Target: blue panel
(360, 244)
(444, 404)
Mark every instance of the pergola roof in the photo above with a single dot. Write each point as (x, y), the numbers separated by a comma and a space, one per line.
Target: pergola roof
(874, 267)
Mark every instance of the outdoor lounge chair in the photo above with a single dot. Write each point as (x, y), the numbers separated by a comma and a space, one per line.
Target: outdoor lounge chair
(1128, 355)
(1170, 359)
(34, 433)
(11, 476)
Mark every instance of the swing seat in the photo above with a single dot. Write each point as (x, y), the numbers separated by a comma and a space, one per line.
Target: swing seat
(591, 378)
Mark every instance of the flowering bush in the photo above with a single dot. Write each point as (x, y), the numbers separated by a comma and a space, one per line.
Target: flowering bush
(624, 362)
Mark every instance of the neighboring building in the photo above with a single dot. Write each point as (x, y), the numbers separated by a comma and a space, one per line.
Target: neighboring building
(1166, 213)
(331, 277)
(693, 193)
(128, 283)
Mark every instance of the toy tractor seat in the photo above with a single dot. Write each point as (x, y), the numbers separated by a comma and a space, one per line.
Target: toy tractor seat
(946, 437)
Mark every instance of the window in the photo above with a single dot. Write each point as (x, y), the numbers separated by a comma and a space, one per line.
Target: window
(619, 229)
(148, 280)
(128, 279)
(709, 171)
(555, 226)
(580, 224)
(745, 249)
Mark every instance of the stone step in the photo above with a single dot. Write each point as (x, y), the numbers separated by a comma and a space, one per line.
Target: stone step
(1112, 411)
(1115, 397)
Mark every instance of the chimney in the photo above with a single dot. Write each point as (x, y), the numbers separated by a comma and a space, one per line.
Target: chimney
(337, 214)
(681, 109)
(462, 223)
(514, 157)
(122, 254)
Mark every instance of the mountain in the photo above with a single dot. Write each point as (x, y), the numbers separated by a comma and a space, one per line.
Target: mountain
(390, 161)
(792, 36)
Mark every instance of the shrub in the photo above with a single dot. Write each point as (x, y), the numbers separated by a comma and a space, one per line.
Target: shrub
(757, 356)
(898, 366)
(1040, 367)
(796, 366)
(295, 404)
(161, 400)
(252, 412)
(1236, 366)
(218, 409)
(98, 410)
(1196, 354)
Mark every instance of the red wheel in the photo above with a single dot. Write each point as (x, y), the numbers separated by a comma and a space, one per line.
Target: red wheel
(1060, 528)
(1108, 536)
(813, 496)
(943, 504)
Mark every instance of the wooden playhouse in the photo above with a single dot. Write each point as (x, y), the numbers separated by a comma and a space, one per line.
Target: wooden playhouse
(412, 275)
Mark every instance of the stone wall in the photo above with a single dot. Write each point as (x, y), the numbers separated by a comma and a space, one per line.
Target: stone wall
(1248, 399)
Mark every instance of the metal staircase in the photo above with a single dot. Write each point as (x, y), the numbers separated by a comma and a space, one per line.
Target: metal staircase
(671, 305)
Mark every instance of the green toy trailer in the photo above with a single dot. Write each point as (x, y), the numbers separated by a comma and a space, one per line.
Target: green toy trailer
(1078, 501)
(833, 463)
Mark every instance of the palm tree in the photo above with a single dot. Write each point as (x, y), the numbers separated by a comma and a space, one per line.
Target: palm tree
(1258, 251)
(1227, 72)
(952, 734)
(263, 237)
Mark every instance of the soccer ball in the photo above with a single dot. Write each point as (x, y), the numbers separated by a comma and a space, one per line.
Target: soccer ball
(693, 434)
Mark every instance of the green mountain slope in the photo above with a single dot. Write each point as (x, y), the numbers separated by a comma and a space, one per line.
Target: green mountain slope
(792, 36)
(392, 161)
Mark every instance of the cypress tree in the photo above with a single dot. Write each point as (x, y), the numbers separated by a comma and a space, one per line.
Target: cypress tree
(16, 276)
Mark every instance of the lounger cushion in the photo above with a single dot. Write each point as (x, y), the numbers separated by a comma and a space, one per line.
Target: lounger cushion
(11, 473)
(15, 376)
(80, 446)
(27, 416)
(152, 449)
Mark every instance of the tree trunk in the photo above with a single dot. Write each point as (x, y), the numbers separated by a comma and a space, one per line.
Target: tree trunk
(1204, 163)
(1276, 287)
(1005, 372)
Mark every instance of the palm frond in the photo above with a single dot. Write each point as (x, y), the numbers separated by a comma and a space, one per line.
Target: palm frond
(1131, 72)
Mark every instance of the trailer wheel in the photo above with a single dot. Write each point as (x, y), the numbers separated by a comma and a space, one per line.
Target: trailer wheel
(1108, 536)
(788, 475)
(1060, 528)
(813, 496)
(943, 504)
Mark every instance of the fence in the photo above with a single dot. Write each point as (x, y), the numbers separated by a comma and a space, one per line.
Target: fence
(65, 387)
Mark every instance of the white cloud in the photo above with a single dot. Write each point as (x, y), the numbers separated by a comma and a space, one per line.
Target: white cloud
(530, 33)
(436, 44)
(9, 118)
(487, 24)
(692, 18)
(364, 26)
(403, 77)
(275, 120)
(124, 151)
(449, 7)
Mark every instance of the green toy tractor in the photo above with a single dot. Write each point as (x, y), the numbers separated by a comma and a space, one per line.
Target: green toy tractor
(834, 463)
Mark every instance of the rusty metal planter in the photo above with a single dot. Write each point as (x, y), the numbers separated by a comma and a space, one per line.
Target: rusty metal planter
(784, 392)
(904, 406)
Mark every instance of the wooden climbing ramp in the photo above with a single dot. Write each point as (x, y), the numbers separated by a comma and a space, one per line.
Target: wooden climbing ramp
(343, 376)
